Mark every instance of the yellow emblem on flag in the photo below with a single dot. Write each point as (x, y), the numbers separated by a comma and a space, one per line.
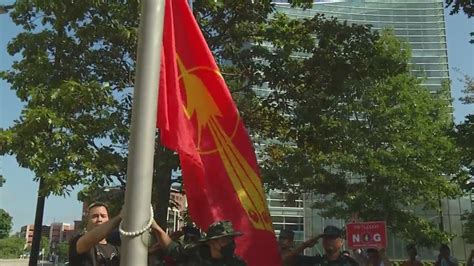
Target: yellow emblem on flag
(243, 177)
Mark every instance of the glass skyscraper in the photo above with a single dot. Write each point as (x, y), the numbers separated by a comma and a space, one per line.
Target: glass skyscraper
(418, 22)
(421, 24)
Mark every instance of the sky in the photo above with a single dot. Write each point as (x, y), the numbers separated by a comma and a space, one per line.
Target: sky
(18, 195)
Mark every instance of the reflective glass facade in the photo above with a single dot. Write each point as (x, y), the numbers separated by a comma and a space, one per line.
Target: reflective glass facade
(419, 22)
(286, 215)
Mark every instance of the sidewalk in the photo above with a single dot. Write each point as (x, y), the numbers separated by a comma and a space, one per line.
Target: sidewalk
(22, 262)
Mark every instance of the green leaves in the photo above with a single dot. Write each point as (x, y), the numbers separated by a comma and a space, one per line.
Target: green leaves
(333, 105)
(74, 75)
(5, 224)
(12, 247)
(58, 134)
(363, 131)
(456, 5)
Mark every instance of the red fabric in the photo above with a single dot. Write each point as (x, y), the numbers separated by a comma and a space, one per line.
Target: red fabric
(198, 118)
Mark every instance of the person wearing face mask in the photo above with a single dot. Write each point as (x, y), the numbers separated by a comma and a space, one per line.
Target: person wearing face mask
(217, 248)
(332, 244)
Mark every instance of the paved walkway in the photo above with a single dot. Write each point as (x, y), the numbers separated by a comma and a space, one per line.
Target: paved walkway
(21, 262)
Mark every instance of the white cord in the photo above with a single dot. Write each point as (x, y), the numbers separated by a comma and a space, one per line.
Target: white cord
(139, 232)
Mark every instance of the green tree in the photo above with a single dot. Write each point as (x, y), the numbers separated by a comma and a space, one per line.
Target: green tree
(359, 130)
(342, 102)
(465, 130)
(344, 119)
(465, 139)
(44, 248)
(467, 7)
(5, 224)
(63, 249)
(12, 247)
(75, 76)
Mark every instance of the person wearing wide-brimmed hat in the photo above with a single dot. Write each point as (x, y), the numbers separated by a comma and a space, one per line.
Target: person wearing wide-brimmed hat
(216, 248)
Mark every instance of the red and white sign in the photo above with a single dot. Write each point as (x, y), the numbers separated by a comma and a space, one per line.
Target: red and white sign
(366, 235)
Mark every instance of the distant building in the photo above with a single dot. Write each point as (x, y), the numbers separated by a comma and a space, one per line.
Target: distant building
(78, 226)
(286, 214)
(27, 231)
(59, 231)
(421, 24)
(55, 233)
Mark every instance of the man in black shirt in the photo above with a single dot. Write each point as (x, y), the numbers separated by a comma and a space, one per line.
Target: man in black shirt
(332, 244)
(92, 248)
(216, 249)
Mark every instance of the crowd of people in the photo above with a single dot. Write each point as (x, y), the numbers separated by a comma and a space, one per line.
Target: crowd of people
(97, 247)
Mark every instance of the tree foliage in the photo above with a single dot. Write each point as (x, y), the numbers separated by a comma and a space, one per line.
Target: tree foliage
(465, 138)
(354, 126)
(332, 103)
(75, 75)
(465, 130)
(468, 90)
(5, 224)
(12, 247)
(74, 127)
(44, 247)
(62, 251)
(467, 6)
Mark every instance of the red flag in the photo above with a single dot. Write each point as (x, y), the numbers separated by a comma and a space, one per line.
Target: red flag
(198, 118)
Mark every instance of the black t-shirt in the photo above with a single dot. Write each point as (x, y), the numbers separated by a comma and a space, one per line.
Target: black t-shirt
(340, 261)
(199, 255)
(100, 255)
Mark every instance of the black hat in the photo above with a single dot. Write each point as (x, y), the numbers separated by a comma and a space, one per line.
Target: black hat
(332, 231)
(220, 229)
(189, 230)
(286, 234)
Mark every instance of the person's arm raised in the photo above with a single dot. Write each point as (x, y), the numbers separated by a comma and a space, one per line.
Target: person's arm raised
(94, 236)
(162, 237)
(307, 244)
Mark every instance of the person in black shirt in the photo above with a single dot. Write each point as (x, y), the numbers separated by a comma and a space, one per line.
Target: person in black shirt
(215, 249)
(92, 247)
(332, 244)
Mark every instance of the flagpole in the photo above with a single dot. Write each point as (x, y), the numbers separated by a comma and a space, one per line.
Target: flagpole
(137, 212)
